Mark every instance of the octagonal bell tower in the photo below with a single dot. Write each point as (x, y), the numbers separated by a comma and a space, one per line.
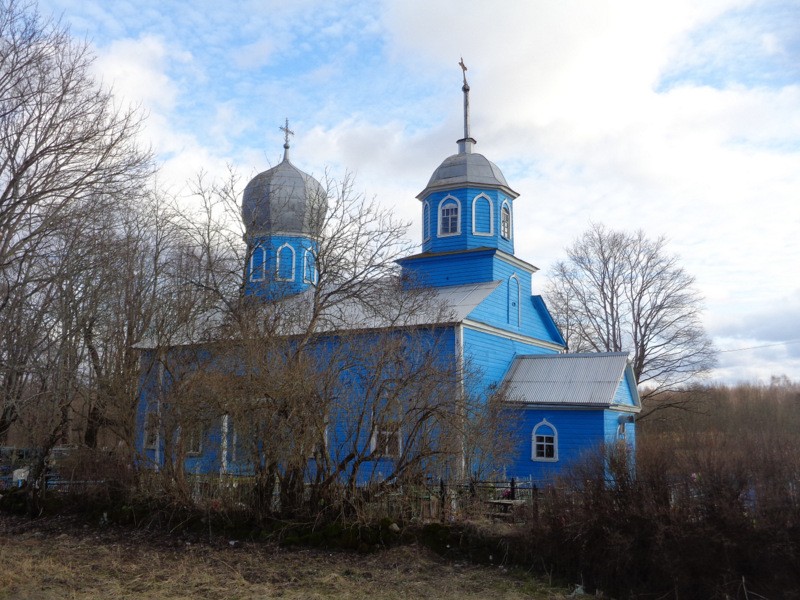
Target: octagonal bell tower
(283, 210)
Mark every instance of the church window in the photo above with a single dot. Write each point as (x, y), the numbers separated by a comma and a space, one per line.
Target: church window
(514, 299)
(387, 440)
(309, 268)
(320, 447)
(151, 427)
(505, 221)
(544, 442)
(426, 221)
(449, 216)
(193, 442)
(482, 218)
(285, 265)
(258, 259)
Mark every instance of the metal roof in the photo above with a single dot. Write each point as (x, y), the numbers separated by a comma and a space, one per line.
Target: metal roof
(284, 200)
(566, 379)
(464, 169)
(379, 308)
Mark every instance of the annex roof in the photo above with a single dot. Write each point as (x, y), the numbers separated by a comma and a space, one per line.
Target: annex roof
(590, 379)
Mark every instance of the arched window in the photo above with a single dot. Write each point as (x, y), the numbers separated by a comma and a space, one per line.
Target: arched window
(514, 299)
(505, 221)
(482, 215)
(449, 216)
(544, 442)
(309, 267)
(258, 260)
(285, 264)
(426, 221)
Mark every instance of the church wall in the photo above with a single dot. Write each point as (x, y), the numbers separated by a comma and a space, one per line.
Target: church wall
(490, 355)
(440, 271)
(578, 431)
(469, 237)
(624, 394)
(614, 432)
(269, 277)
(501, 310)
(349, 415)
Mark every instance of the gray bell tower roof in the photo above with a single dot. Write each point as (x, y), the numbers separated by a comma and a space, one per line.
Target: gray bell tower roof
(464, 169)
(284, 201)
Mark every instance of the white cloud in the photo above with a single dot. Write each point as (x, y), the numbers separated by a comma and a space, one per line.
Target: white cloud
(636, 115)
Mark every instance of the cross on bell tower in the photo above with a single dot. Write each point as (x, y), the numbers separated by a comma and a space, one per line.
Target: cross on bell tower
(286, 133)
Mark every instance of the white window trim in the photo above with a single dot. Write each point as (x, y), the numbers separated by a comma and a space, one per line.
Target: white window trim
(258, 275)
(518, 300)
(474, 216)
(309, 277)
(426, 221)
(200, 432)
(507, 205)
(278, 262)
(443, 201)
(540, 424)
(152, 427)
(373, 442)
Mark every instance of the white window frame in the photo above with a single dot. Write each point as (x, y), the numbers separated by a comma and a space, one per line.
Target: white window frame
(426, 221)
(535, 443)
(517, 300)
(278, 262)
(152, 430)
(445, 201)
(260, 273)
(388, 432)
(309, 277)
(474, 216)
(506, 206)
(321, 448)
(194, 437)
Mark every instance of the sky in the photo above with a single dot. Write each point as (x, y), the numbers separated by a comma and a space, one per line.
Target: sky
(680, 118)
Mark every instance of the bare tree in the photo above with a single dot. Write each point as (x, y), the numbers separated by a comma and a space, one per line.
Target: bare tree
(67, 156)
(619, 291)
(62, 139)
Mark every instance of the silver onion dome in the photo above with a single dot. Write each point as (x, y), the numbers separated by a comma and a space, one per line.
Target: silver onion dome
(284, 200)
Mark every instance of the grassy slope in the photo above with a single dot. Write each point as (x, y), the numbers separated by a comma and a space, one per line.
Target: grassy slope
(53, 559)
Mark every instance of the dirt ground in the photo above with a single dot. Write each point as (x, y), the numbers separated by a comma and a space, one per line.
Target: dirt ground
(64, 559)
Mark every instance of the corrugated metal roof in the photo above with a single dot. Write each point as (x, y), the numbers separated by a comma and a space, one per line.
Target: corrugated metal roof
(431, 306)
(568, 379)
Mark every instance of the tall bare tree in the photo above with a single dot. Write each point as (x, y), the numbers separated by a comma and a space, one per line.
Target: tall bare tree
(619, 291)
(68, 161)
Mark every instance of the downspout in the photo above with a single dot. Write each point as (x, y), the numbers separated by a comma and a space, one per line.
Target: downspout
(223, 463)
(461, 397)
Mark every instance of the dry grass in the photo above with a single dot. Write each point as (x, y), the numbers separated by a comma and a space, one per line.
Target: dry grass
(66, 562)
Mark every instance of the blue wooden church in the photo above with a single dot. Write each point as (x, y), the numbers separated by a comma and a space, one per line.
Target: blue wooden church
(555, 405)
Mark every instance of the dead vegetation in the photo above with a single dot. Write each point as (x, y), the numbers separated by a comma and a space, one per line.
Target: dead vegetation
(60, 558)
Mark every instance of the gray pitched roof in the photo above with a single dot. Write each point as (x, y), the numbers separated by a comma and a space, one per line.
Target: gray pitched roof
(429, 306)
(589, 379)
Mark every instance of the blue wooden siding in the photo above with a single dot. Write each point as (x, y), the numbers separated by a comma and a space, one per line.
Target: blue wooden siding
(482, 215)
(534, 319)
(451, 269)
(579, 432)
(484, 221)
(613, 432)
(332, 352)
(266, 282)
(489, 356)
(624, 395)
